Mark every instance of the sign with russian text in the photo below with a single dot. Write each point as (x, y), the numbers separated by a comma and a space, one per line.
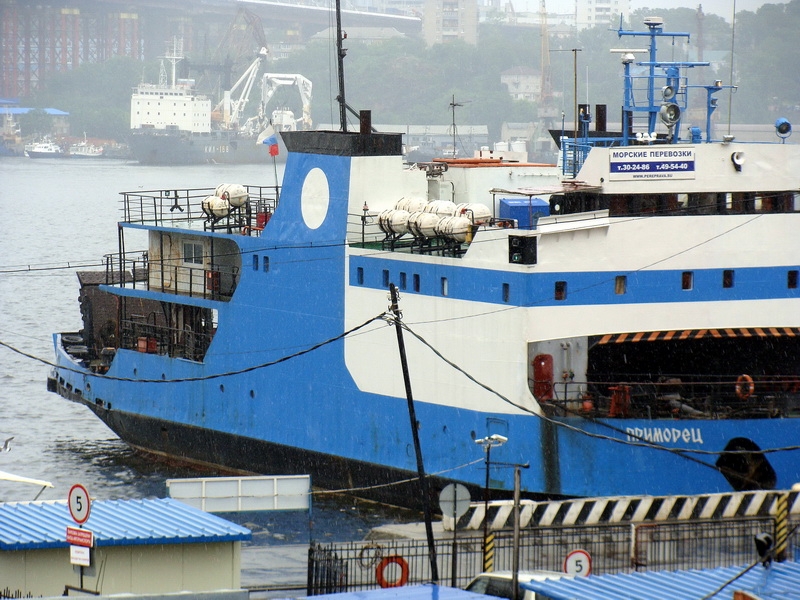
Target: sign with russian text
(80, 537)
(651, 162)
(80, 555)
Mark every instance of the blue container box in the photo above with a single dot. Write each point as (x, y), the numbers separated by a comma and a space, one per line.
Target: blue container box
(526, 211)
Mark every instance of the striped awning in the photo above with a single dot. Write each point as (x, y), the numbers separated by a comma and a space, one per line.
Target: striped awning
(697, 334)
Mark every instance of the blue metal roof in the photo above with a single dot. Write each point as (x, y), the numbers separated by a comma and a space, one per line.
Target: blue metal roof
(34, 525)
(780, 581)
(427, 591)
(20, 110)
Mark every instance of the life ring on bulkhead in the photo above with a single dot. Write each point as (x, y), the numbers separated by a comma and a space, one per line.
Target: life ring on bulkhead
(744, 387)
(388, 560)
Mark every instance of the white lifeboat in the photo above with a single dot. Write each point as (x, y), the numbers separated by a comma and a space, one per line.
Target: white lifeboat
(423, 224)
(234, 192)
(477, 213)
(215, 206)
(392, 221)
(411, 204)
(454, 228)
(442, 208)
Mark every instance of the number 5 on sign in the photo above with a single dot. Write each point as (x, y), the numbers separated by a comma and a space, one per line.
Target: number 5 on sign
(79, 503)
(578, 563)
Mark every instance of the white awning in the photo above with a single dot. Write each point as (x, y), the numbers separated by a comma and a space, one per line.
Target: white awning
(568, 187)
(20, 479)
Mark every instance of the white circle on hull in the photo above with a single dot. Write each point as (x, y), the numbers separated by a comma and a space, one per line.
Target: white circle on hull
(315, 198)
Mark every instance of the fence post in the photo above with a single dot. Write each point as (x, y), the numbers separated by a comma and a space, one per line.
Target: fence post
(488, 553)
(781, 526)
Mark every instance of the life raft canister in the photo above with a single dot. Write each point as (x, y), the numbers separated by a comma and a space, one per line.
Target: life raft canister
(744, 387)
(388, 560)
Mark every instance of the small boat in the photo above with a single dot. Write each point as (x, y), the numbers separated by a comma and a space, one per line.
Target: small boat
(85, 149)
(44, 149)
(626, 322)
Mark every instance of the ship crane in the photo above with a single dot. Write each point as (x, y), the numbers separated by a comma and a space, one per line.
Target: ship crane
(269, 85)
(232, 110)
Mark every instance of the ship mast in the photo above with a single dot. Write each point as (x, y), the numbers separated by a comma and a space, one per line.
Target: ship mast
(340, 54)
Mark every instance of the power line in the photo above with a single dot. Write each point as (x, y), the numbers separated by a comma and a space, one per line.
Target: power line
(642, 443)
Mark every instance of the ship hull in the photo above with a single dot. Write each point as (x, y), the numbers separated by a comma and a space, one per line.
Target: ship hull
(183, 148)
(219, 452)
(324, 438)
(34, 154)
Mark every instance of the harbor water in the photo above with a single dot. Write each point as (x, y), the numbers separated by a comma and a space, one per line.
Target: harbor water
(60, 216)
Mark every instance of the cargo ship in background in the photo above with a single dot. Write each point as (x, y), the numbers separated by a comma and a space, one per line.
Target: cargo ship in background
(626, 322)
(173, 124)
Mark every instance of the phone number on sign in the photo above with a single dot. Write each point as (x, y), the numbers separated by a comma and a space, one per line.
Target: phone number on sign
(619, 168)
(673, 166)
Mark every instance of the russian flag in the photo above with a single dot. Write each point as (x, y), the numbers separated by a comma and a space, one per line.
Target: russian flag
(272, 142)
(269, 138)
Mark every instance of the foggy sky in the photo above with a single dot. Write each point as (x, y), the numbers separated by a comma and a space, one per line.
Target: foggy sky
(723, 8)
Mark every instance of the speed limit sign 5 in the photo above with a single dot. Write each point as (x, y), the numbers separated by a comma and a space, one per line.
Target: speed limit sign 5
(578, 563)
(79, 503)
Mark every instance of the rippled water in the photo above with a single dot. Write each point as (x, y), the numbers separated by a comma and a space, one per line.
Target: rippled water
(58, 215)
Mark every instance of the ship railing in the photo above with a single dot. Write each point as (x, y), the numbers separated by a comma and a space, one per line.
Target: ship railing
(573, 155)
(719, 397)
(129, 269)
(183, 208)
(137, 271)
(140, 335)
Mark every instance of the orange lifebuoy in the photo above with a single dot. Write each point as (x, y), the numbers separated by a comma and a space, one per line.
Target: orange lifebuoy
(745, 387)
(400, 581)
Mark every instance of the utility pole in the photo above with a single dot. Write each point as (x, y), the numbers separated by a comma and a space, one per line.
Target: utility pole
(423, 480)
(488, 443)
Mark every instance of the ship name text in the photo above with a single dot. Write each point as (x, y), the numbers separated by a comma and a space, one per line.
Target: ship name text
(688, 435)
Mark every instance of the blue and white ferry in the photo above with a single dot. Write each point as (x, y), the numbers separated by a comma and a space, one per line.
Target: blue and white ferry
(626, 322)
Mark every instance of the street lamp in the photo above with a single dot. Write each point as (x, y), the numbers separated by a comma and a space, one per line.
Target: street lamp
(488, 443)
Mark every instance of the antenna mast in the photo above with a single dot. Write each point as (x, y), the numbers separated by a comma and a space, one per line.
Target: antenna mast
(340, 54)
(453, 106)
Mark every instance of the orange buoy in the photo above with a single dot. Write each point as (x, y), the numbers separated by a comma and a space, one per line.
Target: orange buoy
(744, 387)
(388, 560)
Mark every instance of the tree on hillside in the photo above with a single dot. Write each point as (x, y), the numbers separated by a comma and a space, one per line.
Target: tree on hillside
(765, 66)
(97, 96)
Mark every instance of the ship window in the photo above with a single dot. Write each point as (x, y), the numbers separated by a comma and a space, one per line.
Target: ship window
(266, 264)
(727, 278)
(193, 253)
(416, 282)
(255, 262)
(687, 280)
(360, 275)
(506, 292)
(445, 289)
(791, 279)
(386, 278)
(561, 290)
(402, 280)
(621, 284)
